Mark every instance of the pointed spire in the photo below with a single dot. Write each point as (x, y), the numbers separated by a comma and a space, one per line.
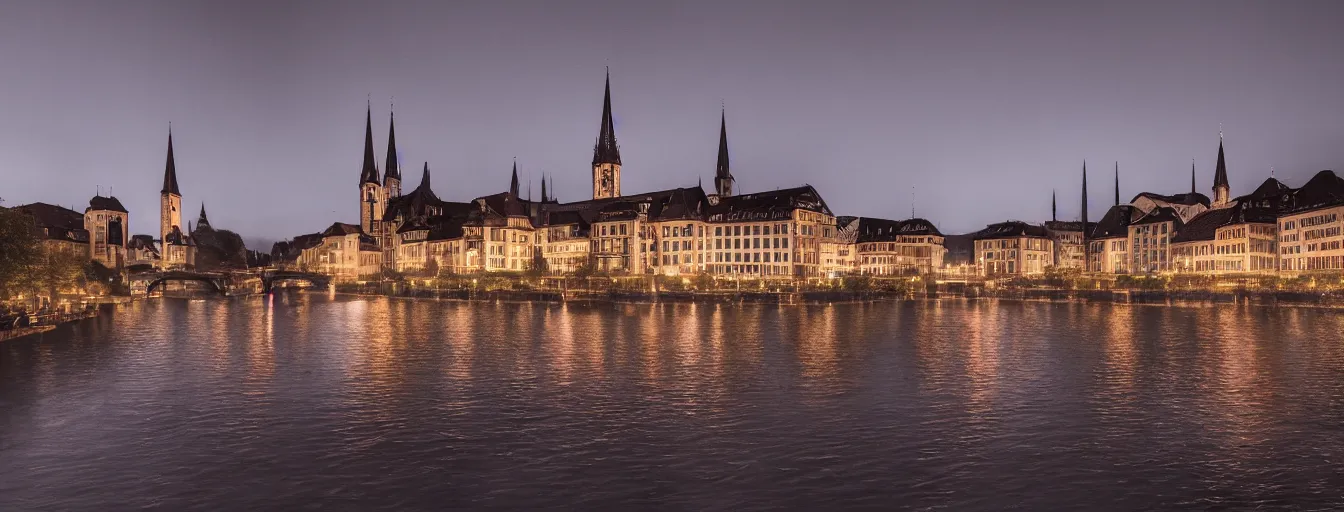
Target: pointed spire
(202, 220)
(722, 169)
(605, 150)
(424, 177)
(1117, 183)
(369, 173)
(1084, 193)
(170, 169)
(513, 184)
(1220, 172)
(1192, 176)
(544, 197)
(392, 171)
(1054, 209)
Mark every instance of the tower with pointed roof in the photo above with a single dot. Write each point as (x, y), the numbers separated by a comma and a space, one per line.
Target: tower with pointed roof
(513, 183)
(1054, 210)
(1221, 189)
(392, 171)
(170, 197)
(371, 198)
(202, 221)
(606, 154)
(1117, 183)
(1087, 256)
(723, 176)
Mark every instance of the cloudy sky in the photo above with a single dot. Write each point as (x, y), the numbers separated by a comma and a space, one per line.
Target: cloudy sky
(971, 112)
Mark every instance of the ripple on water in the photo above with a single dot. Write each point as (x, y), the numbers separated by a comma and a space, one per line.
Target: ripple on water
(302, 401)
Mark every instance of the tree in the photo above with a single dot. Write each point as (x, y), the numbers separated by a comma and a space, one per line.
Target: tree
(19, 248)
(432, 267)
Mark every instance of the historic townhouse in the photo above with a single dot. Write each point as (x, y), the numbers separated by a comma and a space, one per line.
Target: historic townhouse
(1150, 240)
(345, 253)
(107, 222)
(1013, 248)
(60, 229)
(1108, 247)
(1311, 227)
(1241, 237)
(897, 247)
(838, 253)
(1070, 252)
(566, 242)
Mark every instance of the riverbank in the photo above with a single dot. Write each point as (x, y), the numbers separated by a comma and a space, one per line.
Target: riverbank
(46, 323)
(1332, 299)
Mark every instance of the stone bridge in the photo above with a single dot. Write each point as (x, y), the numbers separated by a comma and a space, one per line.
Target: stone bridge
(269, 278)
(226, 283)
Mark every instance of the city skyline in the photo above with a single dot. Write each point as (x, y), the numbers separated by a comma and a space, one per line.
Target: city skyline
(305, 147)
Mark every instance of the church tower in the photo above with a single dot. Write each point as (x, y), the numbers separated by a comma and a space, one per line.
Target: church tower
(1221, 189)
(170, 198)
(391, 172)
(723, 177)
(370, 192)
(606, 154)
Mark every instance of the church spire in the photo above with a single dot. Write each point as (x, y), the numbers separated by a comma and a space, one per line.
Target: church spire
(201, 219)
(1117, 183)
(723, 176)
(369, 173)
(513, 184)
(1084, 194)
(1192, 176)
(605, 150)
(1054, 209)
(424, 177)
(544, 198)
(392, 171)
(1220, 185)
(170, 170)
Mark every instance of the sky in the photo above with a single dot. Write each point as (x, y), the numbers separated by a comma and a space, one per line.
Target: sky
(967, 113)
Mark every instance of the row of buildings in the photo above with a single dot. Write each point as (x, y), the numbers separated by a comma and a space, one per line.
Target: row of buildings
(101, 233)
(793, 234)
(780, 234)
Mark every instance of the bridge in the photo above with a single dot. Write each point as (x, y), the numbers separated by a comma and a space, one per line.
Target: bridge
(219, 283)
(226, 283)
(269, 278)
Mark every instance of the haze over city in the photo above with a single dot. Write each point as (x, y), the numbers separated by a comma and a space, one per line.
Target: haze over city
(976, 110)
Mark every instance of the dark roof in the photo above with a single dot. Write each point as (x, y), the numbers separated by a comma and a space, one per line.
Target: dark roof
(201, 220)
(143, 242)
(1161, 214)
(416, 203)
(1010, 229)
(722, 169)
(771, 205)
(393, 169)
(1059, 225)
(446, 229)
(106, 203)
(513, 182)
(605, 151)
(883, 230)
(176, 237)
(1323, 190)
(960, 249)
(1204, 226)
(682, 203)
(342, 229)
(1268, 189)
(170, 171)
(1220, 173)
(369, 172)
(55, 222)
(1115, 224)
(1188, 198)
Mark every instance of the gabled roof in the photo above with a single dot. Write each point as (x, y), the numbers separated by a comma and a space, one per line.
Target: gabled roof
(1204, 226)
(871, 229)
(106, 203)
(1323, 190)
(1115, 224)
(1076, 226)
(680, 204)
(771, 205)
(414, 204)
(56, 222)
(1010, 229)
(1160, 214)
(342, 229)
(1188, 198)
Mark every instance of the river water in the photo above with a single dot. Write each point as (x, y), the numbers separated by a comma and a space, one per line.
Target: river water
(305, 401)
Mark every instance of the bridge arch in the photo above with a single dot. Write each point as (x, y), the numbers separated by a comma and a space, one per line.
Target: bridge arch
(269, 279)
(212, 282)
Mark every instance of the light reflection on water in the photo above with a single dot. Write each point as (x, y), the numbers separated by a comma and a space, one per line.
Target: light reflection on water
(293, 400)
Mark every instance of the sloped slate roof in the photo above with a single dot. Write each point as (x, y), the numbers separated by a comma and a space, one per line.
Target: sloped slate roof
(1203, 226)
(1115, 224)
(1010, 229)
(1323, 190)
(1188, 198)
(881, 230)
(341, 229)
(55, 222)
(774, 204)
(106, 203)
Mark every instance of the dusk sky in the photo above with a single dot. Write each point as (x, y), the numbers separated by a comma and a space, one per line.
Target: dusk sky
(980, 108)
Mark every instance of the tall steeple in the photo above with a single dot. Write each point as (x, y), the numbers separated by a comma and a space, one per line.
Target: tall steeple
(544, 198)
(1084, 192)
(1192, 176)
(513, 183)
(606, 154)
(201, 220)
(1054, 209)
(1221, 189)
(170, 170)
(1117, 183)
(723, 176)
(369, 173)
(605, 151)
(392, 171)
(424, 178)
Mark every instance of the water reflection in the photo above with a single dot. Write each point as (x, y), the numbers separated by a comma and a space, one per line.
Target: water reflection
(399, 404)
